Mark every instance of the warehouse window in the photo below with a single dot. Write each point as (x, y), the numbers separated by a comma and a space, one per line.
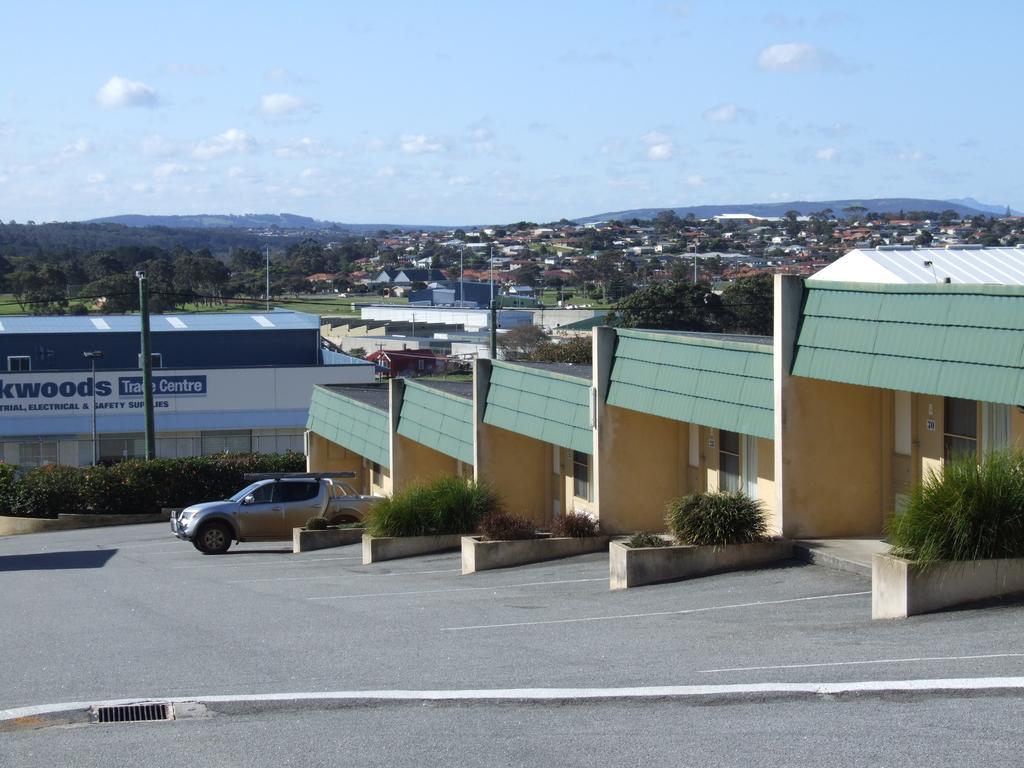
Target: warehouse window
(581, 480)
(38, 453)
(238, 441)
(19, 363)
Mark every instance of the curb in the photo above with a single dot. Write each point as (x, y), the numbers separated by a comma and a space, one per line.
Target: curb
(184, 707)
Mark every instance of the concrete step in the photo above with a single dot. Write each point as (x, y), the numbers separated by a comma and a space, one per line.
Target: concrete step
(850, 555)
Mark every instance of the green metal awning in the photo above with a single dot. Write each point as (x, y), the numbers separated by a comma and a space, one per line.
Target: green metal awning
(438, 420)
(541, 404)
(950, 340)
(715, 382)
(352, 424)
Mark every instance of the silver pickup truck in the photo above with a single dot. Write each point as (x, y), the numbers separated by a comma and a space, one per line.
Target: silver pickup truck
(269, 508)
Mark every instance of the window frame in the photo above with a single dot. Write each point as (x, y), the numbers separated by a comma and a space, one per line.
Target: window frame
(950, 439)
(26, 358)
(582, 480)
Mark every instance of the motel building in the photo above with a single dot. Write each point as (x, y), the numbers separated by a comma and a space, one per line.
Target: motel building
(221, 383)
(863, 389)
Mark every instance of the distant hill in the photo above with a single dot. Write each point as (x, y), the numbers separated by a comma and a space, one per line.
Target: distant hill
(803, 207)
(251, 221)
(996, 210)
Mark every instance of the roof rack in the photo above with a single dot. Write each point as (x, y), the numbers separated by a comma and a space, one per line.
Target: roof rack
(297, 475)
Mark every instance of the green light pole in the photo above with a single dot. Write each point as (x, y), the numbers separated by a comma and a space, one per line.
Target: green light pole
(147, 366)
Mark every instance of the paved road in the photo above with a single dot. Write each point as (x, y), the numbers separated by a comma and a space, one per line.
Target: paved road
(939, 733)
(132, 612)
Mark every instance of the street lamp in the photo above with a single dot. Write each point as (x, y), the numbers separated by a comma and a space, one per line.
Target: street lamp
(93, 357)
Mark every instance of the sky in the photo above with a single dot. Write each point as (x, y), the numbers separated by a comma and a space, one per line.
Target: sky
(462, 112)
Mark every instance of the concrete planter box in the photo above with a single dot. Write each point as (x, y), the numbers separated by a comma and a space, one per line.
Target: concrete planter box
(376, 549)
(634, 567)
(901, 588)
(307, 541)
(13, 526)
(479, 555)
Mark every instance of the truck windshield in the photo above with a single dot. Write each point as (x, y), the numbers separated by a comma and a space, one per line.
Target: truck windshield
(246, 491)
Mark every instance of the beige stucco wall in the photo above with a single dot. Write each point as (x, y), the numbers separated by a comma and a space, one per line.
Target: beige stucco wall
(643, 467)
(385, 487)
(519, 468)
(766, 483)
(415, 463)
(323, 455)
(833, 451)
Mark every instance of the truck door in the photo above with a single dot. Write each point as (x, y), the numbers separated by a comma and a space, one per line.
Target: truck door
(260, 518)
(302, 500)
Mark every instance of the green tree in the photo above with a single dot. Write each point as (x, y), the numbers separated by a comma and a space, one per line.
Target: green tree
(671, 305)
(521, 342)
(748, 303)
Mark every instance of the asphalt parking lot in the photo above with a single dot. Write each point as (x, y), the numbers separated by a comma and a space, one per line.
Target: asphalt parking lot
(133, 612)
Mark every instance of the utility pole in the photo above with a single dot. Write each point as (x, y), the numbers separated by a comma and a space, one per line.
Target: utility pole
(268, 278)
(494, 330)
(462, 275)
(92, 357)
(147, 366)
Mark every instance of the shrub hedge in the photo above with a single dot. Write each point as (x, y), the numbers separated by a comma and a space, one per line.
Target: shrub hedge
(969, 511)
(504, 526)
(576, 525)
(447, 505)
(133, 486)
(717, 519)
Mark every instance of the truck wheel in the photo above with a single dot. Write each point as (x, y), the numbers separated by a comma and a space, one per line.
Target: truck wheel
(344, 516)
(213, 538)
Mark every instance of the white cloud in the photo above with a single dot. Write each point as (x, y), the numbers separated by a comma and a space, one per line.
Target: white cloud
(156, 146)
(695, 180)
(678, 10)
(299, 148)
(793, 57)
(828, 154)
(119, 92)
(375, 144)
(418, 144)
(232, 140)
(141, 188)
(386, 172)
(77, 148)
(659, 146)
(96, 178)
(170, 169)
(311, 173)
(459, 181)
(276, 104)
(728, 113)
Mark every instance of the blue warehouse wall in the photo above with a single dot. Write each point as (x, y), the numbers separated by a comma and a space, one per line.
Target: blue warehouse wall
(188, 349)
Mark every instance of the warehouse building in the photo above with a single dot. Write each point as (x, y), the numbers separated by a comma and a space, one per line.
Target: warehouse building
(222, 382)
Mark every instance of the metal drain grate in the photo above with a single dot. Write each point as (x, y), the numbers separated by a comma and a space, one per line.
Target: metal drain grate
(132, 713)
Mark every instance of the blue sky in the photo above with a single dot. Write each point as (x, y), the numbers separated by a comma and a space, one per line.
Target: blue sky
(483, 112)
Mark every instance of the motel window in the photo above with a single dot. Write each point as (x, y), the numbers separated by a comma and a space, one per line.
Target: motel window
(38, 453)
(581, 485)
(238, 441)
(960, 427)
(729, 476)
(19, 363)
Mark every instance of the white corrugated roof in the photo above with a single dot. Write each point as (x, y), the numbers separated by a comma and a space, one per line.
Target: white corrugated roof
(999, 266)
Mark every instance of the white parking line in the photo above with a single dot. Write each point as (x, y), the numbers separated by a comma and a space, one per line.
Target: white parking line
(908, 660)
(682, 612)
(456, 589)
(419, 573)
(255, 563)
(516, 695)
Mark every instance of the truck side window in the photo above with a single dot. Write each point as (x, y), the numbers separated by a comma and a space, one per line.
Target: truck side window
(299, 491)
(264, 494)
